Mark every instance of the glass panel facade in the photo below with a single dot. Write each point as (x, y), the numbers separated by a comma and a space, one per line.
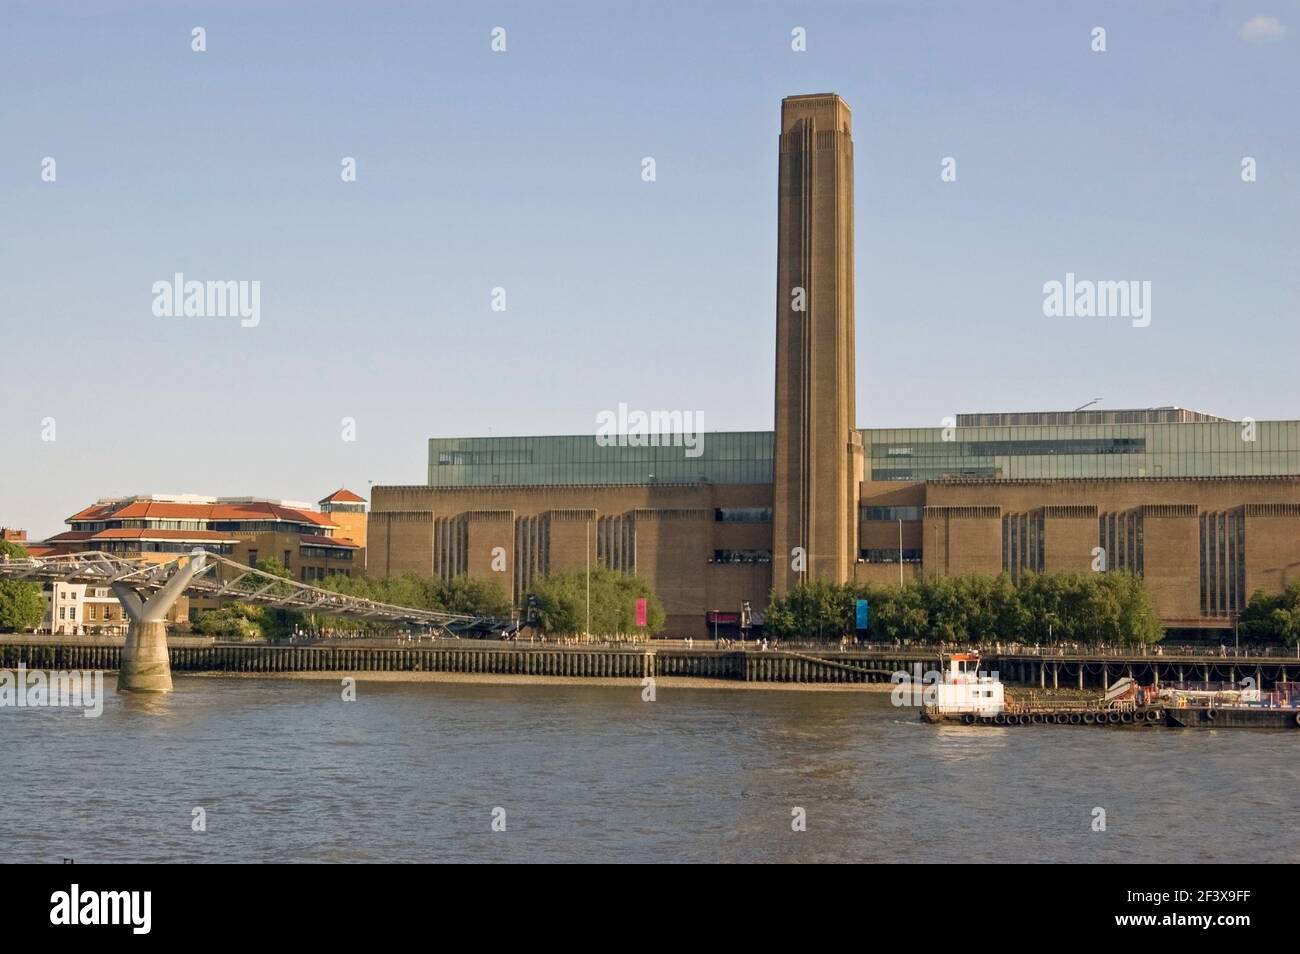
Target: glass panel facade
(1202, 449)
(1207, 449)
(735, 457)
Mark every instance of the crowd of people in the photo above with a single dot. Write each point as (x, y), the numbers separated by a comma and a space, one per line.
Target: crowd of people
(759, 643)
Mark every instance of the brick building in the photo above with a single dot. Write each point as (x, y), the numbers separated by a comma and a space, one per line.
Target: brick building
(313, 544)
(1204, 508)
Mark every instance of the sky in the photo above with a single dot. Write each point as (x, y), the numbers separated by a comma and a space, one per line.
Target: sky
(522, 170)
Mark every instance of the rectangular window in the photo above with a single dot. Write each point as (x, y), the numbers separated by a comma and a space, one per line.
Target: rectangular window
(742, 556)
(887, 555)
(1223, 563)
(892, 514)
(1023, 543)
(743, 514)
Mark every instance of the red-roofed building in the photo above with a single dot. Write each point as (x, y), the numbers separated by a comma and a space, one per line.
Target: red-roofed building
(348, 511)
(313, 544)
(343, 496)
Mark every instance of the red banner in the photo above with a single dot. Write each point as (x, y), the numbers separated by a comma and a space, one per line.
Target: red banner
(640, 611)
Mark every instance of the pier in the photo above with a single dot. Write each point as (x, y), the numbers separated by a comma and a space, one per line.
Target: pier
(807, 666)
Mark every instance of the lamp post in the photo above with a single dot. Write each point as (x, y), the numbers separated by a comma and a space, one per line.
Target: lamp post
(900, 551)
(588, 629)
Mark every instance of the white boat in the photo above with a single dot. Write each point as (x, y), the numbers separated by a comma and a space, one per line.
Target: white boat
(965, 689)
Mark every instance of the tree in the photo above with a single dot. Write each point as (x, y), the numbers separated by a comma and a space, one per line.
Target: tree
(243, 621)
(1088, 607)
(1273, 617)
(232, 622)
(819, 609)
(471, 597)
(460, 594)
(22, 606)
(1138, 618)
(562, 602)
(273, 567)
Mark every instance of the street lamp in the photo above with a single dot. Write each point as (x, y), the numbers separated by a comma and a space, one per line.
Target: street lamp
(900, 551)
(588, 629)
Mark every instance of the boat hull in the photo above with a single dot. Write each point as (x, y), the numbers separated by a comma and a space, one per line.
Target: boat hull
(1146, 717)
(1232, 718)
(1192, 717)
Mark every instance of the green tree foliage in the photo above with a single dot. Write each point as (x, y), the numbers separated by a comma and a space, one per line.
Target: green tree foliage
(457, 595)
(241, 621)
(562, 603)
(1087, 608)
(461, 594)
(816, 608)
(1273, 617)
(22, 606)
(272, 566)
(9, 550)
(278, 624)
(232, 622)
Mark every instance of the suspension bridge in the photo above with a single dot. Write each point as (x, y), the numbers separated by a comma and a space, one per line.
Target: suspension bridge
(148, 590)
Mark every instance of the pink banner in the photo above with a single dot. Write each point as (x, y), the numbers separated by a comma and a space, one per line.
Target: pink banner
(640, 611)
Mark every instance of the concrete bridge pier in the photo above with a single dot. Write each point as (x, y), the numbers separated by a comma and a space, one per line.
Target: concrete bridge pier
(145, 664)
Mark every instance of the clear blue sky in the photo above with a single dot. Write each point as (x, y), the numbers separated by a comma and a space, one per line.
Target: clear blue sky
(522, 170)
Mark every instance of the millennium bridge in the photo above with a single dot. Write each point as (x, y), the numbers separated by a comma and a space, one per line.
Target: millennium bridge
(148, 590)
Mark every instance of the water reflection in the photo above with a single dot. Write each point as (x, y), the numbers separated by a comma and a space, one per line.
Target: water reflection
(142, 703)
(411, 772)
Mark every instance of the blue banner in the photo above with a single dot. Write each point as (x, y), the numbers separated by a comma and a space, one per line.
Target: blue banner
(864, 614)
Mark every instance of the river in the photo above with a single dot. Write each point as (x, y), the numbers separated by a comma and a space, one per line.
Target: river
(285, 770)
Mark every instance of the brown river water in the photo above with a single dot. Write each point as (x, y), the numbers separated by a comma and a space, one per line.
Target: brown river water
(286, 770)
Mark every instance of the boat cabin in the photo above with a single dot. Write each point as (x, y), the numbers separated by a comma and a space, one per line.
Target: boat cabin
(966, 689)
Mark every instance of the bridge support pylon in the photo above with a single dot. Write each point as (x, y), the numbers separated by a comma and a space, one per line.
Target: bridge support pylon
(146, 667)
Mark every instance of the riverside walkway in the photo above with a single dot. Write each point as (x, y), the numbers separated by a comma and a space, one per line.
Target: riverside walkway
(706, 660)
